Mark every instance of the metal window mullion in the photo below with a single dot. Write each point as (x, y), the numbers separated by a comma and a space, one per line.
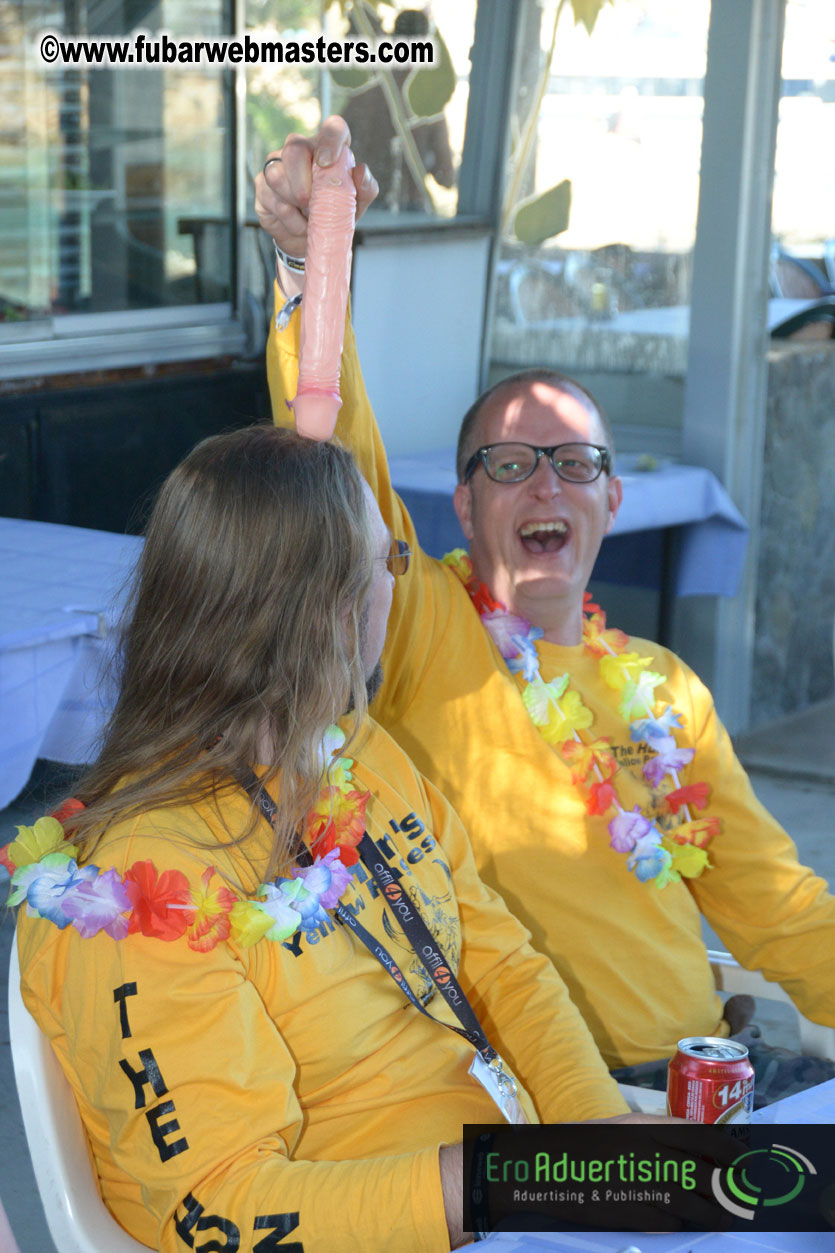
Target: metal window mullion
(724, 403)
(483, 173)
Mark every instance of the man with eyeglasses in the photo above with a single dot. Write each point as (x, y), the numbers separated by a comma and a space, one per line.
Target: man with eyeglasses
(600, 791)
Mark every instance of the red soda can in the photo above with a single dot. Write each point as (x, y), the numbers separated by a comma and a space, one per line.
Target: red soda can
(710, 1080)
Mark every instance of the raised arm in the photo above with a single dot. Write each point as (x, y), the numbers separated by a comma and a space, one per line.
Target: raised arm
(282, 199)
(420, 617)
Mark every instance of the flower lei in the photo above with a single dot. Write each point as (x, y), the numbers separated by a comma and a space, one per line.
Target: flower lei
(560, 715)
(167, 906)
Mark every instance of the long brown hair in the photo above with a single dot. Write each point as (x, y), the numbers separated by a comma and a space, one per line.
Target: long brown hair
(244, 618)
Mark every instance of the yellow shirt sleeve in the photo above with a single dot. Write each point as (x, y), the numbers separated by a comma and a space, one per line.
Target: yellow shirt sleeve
(520, 1000)
(420, 617)
(773, 913)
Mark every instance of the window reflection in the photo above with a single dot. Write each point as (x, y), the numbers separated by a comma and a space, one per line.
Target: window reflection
(803, 206)
(408, 125)
(115, 191)
(599, 218)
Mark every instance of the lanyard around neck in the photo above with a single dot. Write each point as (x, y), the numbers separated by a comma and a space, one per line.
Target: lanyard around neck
(424, 945)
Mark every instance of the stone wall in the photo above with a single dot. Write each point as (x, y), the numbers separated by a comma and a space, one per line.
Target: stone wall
(793, 656)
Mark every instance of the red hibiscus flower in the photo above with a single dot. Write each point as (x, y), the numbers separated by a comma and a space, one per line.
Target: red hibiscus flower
(602, 796)
(65, 811)
(695, 794)
(482, 599)
(158, 901)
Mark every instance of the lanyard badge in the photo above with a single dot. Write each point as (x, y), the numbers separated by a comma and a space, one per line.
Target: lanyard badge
(499, 1086)
(486, 1067)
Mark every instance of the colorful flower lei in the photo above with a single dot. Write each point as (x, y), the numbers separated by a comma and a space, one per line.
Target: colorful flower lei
(560, 715)
(166, 906)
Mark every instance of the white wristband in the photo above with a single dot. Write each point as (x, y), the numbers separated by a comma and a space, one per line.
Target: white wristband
(292, 263)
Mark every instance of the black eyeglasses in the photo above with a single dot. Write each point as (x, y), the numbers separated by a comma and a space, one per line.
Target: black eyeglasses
(513, 463)
(398, 559)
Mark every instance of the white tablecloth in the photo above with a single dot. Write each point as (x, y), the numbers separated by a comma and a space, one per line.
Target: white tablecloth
(60, 586)
(686, 1242)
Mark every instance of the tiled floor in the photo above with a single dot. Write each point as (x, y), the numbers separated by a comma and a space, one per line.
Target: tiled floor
(801, 796)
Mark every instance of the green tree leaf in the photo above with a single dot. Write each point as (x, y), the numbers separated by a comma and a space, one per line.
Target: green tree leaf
(543, 215)
(428, 90)
(588, 11)
(350, 79)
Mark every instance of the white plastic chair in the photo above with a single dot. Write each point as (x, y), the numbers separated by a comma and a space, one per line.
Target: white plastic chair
(78, 1219)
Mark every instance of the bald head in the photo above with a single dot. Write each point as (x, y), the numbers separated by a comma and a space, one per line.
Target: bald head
(470, 436)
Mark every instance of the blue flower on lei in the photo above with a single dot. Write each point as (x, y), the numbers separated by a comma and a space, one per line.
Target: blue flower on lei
(100, 905)
(669, 758)
(47, 885)
(629, 828)
(648, 859)
(326, 879)
(525, 659)
(307, 903)
(508, 630)
(656, 728)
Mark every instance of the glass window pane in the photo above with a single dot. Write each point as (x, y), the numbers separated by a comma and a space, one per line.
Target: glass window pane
(600, 208)
(407, 124)
(803, 207)
(116, 191)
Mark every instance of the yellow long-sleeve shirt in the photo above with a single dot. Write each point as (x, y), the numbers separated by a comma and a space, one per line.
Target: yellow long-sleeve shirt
(631, 954)
(243, 1093)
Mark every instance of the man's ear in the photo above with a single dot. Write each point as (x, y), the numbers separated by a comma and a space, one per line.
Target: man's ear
(615, 496)
(462, 499)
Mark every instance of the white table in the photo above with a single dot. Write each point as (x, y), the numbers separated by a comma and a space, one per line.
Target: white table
(813, 1105)
(644, 340)
(60, 586)
(685, 1242)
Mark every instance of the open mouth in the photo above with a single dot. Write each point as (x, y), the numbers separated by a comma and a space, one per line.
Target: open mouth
(543, 537)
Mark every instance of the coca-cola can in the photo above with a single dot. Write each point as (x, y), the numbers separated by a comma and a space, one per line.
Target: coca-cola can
(710, 1080)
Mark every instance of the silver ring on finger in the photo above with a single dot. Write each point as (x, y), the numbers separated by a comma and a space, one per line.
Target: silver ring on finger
(270, 161)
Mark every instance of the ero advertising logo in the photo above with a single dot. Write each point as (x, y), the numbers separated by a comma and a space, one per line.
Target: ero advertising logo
(760, 1178)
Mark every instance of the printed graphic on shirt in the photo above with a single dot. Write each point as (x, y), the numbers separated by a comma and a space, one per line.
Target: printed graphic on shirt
(405, 844)
(631, 759)
(143, 1072)
(192, 1220)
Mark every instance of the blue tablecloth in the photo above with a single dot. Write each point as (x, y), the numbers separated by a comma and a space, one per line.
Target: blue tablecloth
(711, 534)
(62, 586)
